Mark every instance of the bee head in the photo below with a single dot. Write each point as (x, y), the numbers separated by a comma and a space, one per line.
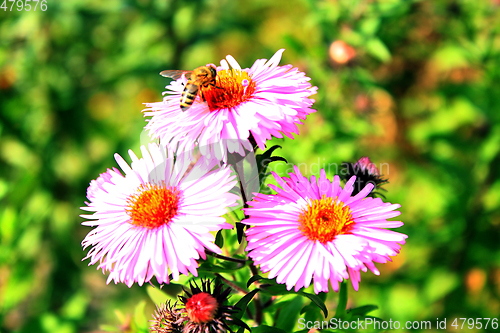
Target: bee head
(213, 70)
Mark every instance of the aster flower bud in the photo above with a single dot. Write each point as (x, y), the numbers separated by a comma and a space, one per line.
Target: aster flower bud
(204, 311)
(166, 319)
(366, 172)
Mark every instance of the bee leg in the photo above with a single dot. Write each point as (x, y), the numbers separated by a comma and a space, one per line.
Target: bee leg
(213, 85)
(201, 95)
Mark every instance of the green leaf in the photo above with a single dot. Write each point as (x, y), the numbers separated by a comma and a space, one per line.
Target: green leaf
(270, 151)
(7, 224)
(450, 56)
(317, 301)
(224, 267)
(219, 239)
(311, 312)
(253, 279)
(287, 319)
(267, 329)
(109, 328)
(278, 158)
(240, 323)
(139, 318)
(362, 310)
(158, 296)
(263, 160)
(308, 308)
(239, 231)
(400, 292)
(370, 26)
(377, 48)
(440, 283)
(243, 303)
(293, 43)
(276, 289)
(76, 307)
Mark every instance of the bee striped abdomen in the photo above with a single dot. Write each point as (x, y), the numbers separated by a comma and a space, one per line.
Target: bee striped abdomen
(188, 95)
(197, 79)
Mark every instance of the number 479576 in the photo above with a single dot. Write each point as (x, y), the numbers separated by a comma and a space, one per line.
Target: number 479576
(477, 323)
(26, 5)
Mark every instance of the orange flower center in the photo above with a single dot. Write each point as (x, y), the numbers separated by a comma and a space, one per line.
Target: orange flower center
(201, 308)
(232, 88)
(153, 205)
(324, 219)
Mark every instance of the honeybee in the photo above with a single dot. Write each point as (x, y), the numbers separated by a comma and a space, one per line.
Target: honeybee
(199, 78)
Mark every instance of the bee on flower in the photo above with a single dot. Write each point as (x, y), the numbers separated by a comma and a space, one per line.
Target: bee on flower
(237, 110)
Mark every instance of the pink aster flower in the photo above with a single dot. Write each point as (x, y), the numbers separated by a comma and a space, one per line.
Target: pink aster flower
(156, 218)
(315, 230)
(96, 184)
(262, 101)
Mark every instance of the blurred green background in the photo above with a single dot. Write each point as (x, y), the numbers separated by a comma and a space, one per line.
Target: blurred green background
(416, 85)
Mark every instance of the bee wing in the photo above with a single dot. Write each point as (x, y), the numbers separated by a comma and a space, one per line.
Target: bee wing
(175, 74)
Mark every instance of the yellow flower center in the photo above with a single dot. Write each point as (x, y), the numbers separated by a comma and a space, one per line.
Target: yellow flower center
(325, 218)
(153, 205)
(232, 88)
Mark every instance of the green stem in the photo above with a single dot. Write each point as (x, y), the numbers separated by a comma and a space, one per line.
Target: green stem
(232, 284)
(256, 299)
(253, 142)
(341, 307)
(236, 287)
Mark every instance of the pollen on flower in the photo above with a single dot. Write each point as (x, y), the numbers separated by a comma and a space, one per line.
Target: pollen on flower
(324, 219)
(232, 88)
(201, 308)
(153, 205)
